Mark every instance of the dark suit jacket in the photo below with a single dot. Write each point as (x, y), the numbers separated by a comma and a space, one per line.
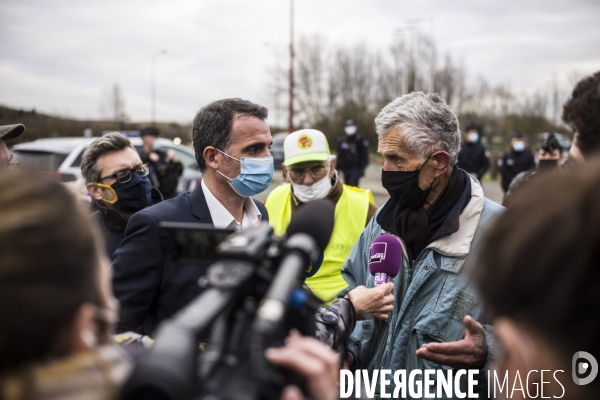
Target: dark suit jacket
(149, 288)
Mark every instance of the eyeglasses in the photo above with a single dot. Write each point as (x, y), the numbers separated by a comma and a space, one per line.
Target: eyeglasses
(124, 176)
(316, 172)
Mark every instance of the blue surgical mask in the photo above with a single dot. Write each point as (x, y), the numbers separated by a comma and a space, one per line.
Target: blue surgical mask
(473, 137)
(256, 174)
(519, 146)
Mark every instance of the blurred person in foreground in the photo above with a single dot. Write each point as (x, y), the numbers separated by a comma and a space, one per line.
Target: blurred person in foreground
(438, 213)
(165, 167)
(549, 155)
(58, 311)
(518, 159)
(581, 112)
(311, 171)
(541, 281)
(56, 305)
(473, 157)
(352, 154)
(8, 132)
(231, 140)
(118, 181)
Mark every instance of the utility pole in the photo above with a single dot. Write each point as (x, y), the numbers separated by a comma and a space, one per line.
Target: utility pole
(291, 77)
(153, 85)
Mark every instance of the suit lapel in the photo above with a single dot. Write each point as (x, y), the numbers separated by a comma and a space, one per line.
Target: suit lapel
(199, 207)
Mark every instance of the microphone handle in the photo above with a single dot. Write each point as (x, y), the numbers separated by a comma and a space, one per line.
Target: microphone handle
(381, 278)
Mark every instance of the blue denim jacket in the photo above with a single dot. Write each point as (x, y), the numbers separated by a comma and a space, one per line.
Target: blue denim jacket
(432, 297)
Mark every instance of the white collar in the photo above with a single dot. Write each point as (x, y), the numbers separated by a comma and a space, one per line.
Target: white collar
(222, 218)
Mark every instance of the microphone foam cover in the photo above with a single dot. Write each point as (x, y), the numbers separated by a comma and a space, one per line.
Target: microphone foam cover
(385, 255)
(313, 268)
(314, 219)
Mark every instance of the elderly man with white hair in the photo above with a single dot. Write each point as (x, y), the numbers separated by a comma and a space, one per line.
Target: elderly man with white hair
(438, 214)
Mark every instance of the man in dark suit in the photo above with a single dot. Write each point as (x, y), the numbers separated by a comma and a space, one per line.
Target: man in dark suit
(231, 141)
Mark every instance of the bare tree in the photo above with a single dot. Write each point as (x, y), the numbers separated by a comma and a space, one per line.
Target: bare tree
(112, 106)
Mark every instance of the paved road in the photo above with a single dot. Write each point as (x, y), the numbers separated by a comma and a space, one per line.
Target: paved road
(372, 181)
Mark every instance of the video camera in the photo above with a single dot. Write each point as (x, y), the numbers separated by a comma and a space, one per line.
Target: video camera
(253, 296)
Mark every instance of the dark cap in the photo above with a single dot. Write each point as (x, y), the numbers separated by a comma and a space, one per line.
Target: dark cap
(517, 135)
(350, 122)
(8, 132)
(551, 143)
(149, 131)
(470, 127)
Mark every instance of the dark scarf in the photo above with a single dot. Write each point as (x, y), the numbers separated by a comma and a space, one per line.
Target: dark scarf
(418, 228)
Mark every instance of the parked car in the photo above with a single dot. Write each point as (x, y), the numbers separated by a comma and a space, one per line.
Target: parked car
(277, 148)
(60, 158)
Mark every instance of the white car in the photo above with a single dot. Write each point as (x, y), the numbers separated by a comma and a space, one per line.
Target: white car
(60, 158)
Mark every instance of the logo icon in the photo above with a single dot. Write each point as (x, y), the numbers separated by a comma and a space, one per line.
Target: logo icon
(584, 364)
(305, 142)
(377, 253)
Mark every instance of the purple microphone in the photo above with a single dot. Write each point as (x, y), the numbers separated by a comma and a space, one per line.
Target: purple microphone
(385, 258)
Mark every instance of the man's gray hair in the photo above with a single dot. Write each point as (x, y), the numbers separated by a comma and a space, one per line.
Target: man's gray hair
(113, 141)
(428, 124)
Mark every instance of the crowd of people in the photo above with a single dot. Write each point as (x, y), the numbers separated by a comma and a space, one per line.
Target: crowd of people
(480, 287)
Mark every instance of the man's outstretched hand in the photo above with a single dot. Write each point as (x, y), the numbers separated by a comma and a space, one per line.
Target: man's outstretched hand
(469, 353)
(373, 303)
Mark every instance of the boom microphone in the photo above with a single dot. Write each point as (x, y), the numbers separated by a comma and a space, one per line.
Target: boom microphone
(385, 258)
(309, 232)
(314, 219)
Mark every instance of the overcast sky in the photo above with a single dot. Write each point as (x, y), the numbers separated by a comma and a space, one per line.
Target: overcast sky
(59, 56)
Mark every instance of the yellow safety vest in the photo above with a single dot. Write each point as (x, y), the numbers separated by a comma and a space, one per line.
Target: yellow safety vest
(351, 213)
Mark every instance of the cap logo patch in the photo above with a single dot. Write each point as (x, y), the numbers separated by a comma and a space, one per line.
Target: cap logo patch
(305, 142)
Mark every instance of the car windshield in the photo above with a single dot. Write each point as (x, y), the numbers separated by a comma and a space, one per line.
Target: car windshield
(186, 159)
(39, 161)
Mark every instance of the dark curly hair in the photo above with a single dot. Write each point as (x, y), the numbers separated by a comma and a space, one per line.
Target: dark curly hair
(545, 274)
(582, 113)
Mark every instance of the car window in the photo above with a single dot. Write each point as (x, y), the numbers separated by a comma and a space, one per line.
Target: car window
(186, 159)
(77, 162)
(39, 161)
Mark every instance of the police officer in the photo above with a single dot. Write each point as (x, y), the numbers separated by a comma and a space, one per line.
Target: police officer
(473, 157)
(312, 175)
(515, 161)
(549, 155)
(353, 154)
(165, 168)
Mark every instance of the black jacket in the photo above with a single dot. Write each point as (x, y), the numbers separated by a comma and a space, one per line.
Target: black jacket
(149, 288)
(352, 152)
(513, 163)
(473, 158)
(112, 224)
(164, 173)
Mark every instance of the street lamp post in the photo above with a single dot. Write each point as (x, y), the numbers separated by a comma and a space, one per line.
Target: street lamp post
(291, 77)
(153, 84)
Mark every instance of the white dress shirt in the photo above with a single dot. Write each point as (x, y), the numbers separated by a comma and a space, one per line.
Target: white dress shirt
(223, 219)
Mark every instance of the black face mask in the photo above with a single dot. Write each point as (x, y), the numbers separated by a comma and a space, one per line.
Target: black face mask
(403, 187)
(548, 164)
(133, 195)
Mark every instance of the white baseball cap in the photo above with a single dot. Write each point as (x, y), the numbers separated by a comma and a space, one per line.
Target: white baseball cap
(305, 145)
